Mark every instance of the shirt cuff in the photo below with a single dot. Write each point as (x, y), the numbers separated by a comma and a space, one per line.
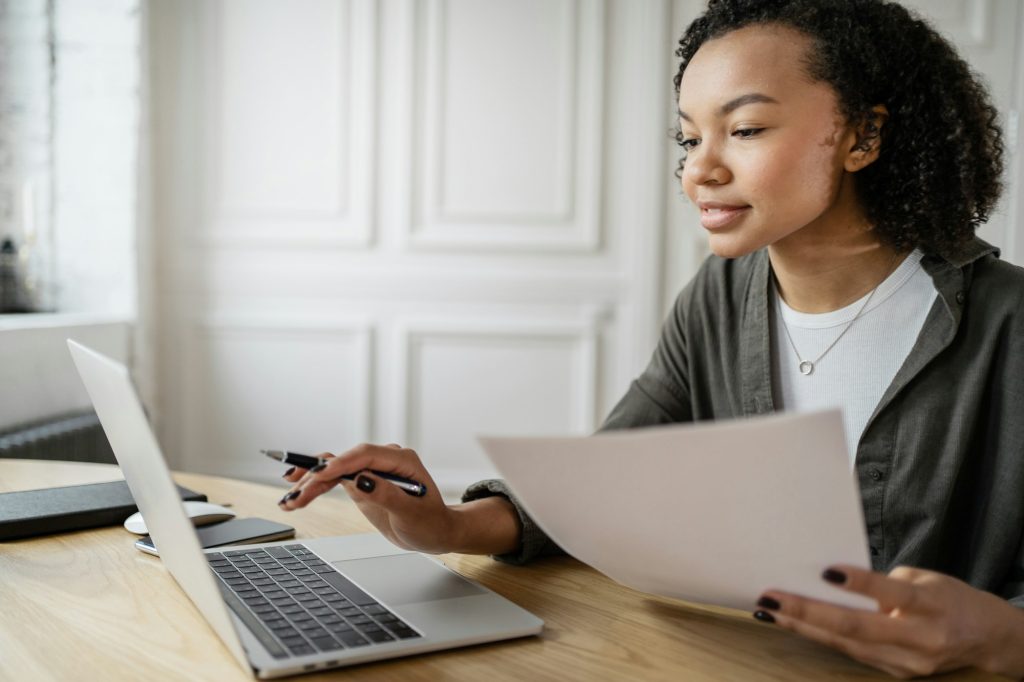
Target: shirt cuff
(534, 542)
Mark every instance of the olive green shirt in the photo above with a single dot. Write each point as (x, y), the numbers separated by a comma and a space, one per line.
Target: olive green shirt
(941, 460)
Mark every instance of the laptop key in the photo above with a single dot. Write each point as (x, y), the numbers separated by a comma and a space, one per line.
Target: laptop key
(302, 649)
(352, 638)
(404, 632)
(327, 644)
(293, 640)
(254, 625)
(378, 636)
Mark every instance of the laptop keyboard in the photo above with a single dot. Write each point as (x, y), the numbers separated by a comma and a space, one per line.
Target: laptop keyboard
(298, 604)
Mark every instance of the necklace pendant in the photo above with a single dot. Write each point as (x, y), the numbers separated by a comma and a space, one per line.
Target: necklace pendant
(806, 367)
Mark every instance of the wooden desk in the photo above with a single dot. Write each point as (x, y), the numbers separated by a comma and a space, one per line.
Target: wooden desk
(89, 606)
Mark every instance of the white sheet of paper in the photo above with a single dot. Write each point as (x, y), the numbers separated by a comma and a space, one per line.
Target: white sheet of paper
(711, 512)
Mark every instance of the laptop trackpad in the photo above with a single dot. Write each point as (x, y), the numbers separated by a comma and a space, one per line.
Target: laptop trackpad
(406, 579)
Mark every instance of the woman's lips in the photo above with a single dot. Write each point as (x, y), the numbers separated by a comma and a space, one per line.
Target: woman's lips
(715, 218)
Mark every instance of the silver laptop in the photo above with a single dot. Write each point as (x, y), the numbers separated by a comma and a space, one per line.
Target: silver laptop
(288, 607)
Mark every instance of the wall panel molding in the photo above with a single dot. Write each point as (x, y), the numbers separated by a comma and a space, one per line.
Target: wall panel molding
(571, 220)
(265, 208)
(577, 339)
(353, 393)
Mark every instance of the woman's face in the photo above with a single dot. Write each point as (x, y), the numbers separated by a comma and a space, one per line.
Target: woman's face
(765, 146)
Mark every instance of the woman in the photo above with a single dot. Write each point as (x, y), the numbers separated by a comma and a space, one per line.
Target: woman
(841, 156)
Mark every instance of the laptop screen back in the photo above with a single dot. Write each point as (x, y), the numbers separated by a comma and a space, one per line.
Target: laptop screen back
(138, 453)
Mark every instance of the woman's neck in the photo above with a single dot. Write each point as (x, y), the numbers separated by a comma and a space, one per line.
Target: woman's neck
(822, 275)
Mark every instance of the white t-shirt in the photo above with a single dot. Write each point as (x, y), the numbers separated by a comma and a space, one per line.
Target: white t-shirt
(854, 374)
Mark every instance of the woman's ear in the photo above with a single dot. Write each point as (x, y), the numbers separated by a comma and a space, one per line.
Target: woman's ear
(868, 144)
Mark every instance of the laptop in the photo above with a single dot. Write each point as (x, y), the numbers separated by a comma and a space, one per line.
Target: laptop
(295, 606)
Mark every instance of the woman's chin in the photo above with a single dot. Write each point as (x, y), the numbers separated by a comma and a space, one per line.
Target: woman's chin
(728, 246)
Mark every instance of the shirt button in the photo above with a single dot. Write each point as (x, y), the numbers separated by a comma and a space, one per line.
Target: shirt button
(960, 297)
(875, 475)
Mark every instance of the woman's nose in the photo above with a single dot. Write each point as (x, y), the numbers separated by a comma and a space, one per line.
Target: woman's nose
(704, 165)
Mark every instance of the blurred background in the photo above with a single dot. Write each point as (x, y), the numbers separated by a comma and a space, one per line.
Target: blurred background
(312, 223)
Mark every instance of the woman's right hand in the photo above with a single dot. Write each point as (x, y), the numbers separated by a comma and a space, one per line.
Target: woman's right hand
(424, 524)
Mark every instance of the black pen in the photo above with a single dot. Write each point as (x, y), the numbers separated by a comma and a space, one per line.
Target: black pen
(308, 462)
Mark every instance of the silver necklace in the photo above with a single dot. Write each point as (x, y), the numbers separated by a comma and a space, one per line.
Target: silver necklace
(807, 366)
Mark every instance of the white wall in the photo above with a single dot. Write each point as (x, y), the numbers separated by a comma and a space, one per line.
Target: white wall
(366, 235)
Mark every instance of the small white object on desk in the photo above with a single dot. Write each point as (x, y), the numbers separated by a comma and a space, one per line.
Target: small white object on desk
(201, 513)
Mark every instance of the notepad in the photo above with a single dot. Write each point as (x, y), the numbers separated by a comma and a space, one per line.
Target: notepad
(56, 510)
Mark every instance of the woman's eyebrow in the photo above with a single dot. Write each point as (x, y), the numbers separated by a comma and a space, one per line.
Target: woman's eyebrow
(734, 104)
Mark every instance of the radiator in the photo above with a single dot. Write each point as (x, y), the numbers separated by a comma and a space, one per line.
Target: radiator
(74, 437)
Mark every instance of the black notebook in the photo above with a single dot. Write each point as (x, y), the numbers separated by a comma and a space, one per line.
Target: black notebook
(55, 510)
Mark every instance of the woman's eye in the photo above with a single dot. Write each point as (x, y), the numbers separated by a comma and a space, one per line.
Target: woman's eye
(689, 143)
(746, 133)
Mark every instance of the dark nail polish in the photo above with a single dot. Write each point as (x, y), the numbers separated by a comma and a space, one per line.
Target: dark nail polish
(834, 576)
(764, 616)
(288, 473)
(284, 498)
(769, 603)
(365, 484)
(292, 495)
(318, 467)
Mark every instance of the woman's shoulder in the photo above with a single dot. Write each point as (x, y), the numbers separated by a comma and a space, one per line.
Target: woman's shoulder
(996, 284)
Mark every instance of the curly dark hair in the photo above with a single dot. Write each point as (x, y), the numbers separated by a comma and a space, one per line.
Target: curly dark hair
(938, 174)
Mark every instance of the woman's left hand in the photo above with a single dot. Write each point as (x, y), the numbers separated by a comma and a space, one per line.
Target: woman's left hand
(926, 623)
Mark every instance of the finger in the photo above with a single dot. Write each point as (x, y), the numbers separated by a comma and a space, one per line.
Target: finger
(841, 621)
(308, 487)
(396, 460)
(296, 473)
(305, 492)
(367, 488)
(893, 659)
(890, 592)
